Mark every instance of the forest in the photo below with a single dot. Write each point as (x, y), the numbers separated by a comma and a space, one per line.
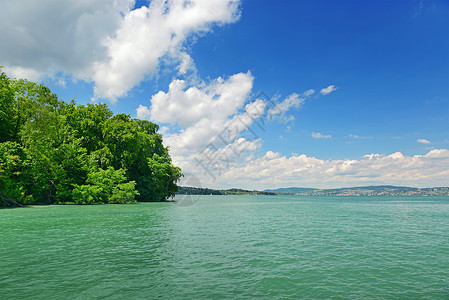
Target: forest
(54, 152)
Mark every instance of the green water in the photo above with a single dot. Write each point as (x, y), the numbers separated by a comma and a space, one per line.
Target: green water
(282, 247)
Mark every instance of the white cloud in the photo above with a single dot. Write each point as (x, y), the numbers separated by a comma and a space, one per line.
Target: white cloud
(103, 41)
(203, 112)
(317, 135)
(423, 141)
(187, 106)
(148, 33)
(328, 90)
(186, 64)
(209, 122)
(309, 93)
(438, 153)
(143, 112)
(356, 136)
(19, 72)
(280, 109)
(50, 36)
(276, 170)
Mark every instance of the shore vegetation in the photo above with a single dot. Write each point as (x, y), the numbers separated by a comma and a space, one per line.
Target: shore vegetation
(54, 152)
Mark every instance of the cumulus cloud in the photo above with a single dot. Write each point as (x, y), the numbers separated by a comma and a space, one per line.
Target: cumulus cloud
(317, 135)
(143, 112)
(213, 124)
(423, 141)
(210, 117)
(19, 72)
(148, 33)
(274, 169)
(438, 153)
(107, 42)
(46, 37)
(328, 90)
(187, 106)
(215, 121)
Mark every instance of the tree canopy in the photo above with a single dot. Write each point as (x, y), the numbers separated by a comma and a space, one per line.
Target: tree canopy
(54, 152)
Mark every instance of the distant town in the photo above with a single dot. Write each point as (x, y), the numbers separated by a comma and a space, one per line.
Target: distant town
(384, 190)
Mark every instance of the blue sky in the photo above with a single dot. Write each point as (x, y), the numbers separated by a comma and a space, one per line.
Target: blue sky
(195, 67)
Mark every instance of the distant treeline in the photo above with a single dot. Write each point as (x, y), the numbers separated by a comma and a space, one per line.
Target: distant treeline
(184, 190)
(53, 152)
(380, 190)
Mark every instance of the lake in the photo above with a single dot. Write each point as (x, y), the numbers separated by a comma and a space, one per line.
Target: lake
(243, 247)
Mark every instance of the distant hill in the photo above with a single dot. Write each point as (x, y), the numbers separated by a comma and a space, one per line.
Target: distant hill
(378, 190)
(185, 190)
(291, 190)
(381, 190)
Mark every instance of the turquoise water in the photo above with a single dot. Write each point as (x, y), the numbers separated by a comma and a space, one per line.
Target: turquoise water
(282, 247)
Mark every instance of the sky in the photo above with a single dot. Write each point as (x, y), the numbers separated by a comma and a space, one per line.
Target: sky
(256, 94)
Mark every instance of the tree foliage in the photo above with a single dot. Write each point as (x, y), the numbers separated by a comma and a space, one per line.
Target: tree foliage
(57, 152)
(105, 186)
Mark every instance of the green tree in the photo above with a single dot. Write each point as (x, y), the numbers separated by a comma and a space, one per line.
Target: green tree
(6, 108)
(14, 171)
(42, 133)
(105, 186)
(86, 123)
(137, 147)
(162, 178)
(57, 152)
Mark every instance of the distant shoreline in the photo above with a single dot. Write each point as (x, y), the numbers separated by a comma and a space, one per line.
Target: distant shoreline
(383, 190)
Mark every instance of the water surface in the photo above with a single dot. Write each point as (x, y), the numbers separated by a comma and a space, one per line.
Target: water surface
(229, 247)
